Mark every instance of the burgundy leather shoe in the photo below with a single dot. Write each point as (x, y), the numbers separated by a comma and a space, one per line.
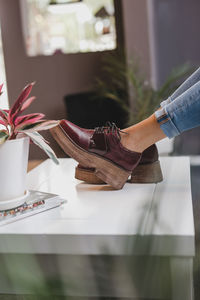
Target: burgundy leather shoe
(100, 149)
(147, 171)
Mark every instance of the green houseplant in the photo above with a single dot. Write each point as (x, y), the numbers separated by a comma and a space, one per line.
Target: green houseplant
(119, 78)
(16, 131)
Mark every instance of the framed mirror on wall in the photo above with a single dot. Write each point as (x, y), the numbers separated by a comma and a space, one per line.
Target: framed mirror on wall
(4, 96)
(68, 26)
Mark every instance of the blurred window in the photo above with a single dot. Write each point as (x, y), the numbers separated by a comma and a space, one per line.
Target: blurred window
(68, 26)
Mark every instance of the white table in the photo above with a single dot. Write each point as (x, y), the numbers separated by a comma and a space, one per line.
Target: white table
(138, 241)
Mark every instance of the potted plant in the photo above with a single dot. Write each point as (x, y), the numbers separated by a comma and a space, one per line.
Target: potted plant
(16, 131)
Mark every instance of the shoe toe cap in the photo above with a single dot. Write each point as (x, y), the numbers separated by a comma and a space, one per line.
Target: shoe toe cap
(78, 135)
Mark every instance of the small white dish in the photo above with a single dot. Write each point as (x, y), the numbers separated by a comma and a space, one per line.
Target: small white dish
(13, 203)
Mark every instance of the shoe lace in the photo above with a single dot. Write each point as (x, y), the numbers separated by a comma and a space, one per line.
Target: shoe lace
(110, 127)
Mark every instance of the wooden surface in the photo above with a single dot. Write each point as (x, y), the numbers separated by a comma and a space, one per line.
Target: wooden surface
(33, 164)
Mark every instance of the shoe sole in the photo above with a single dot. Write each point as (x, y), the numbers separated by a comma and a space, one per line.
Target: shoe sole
(107, 171)
(143, 173)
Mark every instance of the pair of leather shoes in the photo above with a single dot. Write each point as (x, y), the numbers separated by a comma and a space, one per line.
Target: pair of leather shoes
(103, 159)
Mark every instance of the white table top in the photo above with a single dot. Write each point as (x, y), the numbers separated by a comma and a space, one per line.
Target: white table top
(153, 219)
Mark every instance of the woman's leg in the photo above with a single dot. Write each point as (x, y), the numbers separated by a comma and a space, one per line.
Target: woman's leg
(189, 82)
(160, 124)
(171, 120)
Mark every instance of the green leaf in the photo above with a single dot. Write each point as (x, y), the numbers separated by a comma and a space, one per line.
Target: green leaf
(29, 126)
(3, 136)
(39, 141)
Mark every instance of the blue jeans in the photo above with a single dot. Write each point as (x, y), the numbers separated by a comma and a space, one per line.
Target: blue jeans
(181, 111)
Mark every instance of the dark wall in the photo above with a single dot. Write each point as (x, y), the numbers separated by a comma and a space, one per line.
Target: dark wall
(177, 31)
(176, 27)
(136, 35)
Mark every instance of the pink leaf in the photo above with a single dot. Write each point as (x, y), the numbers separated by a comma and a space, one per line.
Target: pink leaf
(30, 117)
(31, 126)
(43, 126)
(3, 123)
(16, 108)
(4, 115)
(27, 124)
(27, 103)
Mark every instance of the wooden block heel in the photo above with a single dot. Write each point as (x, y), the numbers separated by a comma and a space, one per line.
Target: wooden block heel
(105, 170)
(88, 176)
(114, 176)
(147, 173)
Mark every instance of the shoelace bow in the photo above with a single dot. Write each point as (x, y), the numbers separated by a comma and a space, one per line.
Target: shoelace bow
(109, 128)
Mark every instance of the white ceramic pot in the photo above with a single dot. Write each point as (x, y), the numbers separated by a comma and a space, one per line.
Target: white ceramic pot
(13, 169)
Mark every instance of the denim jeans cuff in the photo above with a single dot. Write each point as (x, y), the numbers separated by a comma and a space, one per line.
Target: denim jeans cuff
(166, 123)
(165, 102)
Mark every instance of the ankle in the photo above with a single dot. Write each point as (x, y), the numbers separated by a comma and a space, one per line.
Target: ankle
(142, 135)
(132, 141)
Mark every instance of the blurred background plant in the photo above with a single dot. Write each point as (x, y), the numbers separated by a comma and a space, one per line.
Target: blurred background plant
(119, 78)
